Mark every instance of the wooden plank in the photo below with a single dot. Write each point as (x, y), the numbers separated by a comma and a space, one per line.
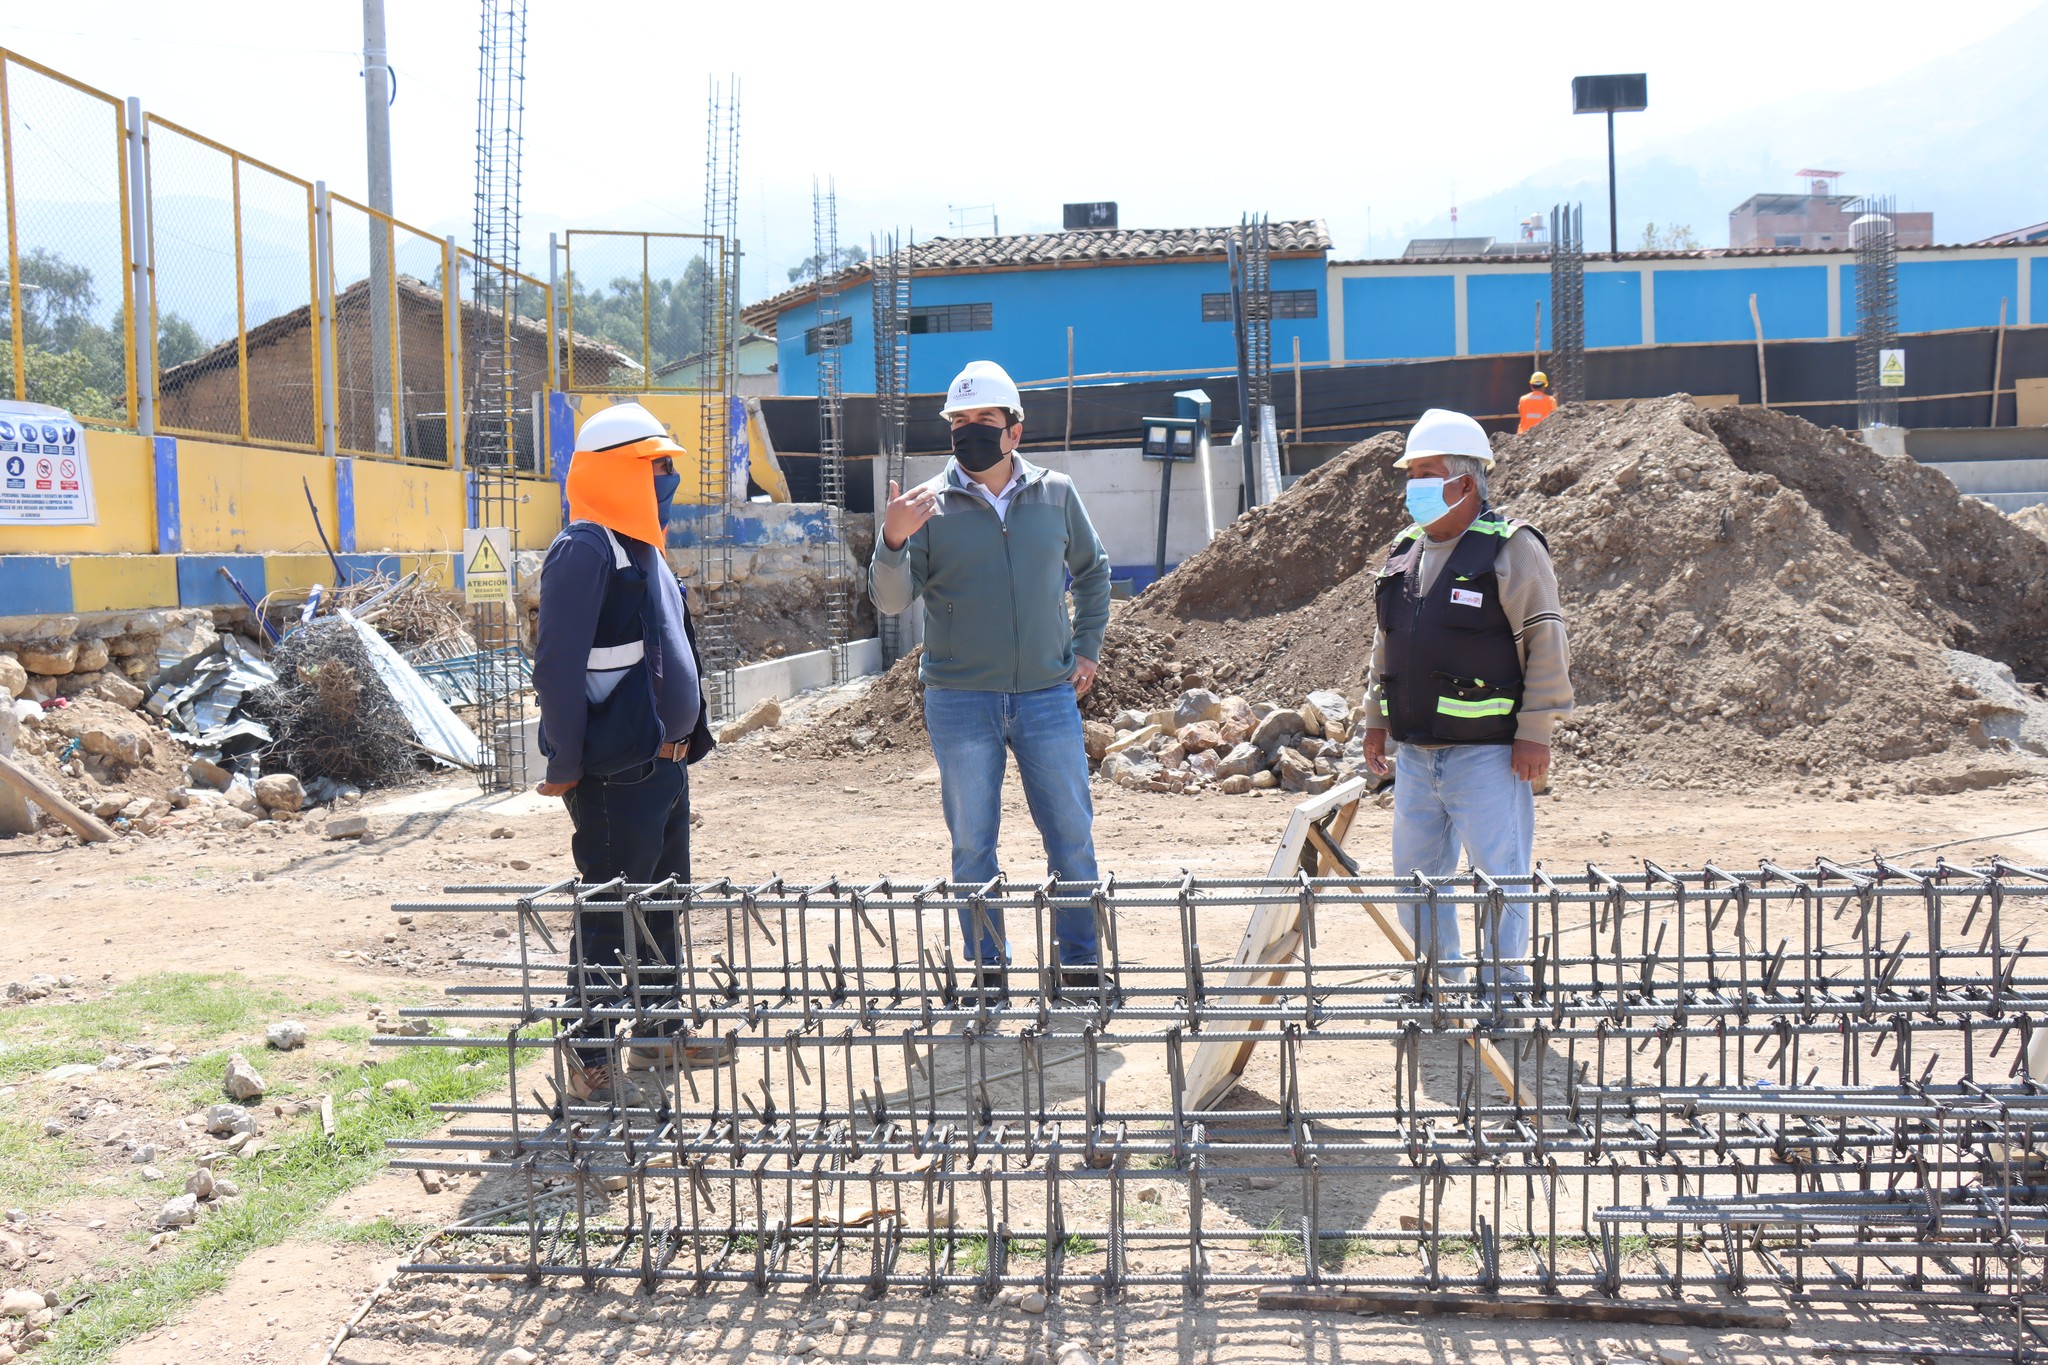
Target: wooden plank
(1314, 837)
(1660, 1312)
(1215, 1068)
(46, 796)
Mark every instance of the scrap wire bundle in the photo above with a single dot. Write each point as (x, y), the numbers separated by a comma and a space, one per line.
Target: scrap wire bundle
(331, 715)
(413, 615)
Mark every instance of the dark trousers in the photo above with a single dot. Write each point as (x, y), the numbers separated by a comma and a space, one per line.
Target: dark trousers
(634, 824)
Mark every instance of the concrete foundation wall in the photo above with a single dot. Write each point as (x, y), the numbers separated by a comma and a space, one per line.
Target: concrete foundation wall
(1120, 489)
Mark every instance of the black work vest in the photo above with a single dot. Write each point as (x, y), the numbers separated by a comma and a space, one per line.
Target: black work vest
(1452, 673)
(624, 728)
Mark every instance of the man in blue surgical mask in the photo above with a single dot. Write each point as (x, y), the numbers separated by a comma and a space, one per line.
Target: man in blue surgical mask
(1470, 672)
(991, 545)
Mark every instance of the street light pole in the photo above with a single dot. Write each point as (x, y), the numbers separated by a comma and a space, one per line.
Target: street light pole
(1610, 95)
(1613, 216)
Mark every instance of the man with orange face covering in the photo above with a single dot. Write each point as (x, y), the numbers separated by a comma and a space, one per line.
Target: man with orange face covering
(621, 715)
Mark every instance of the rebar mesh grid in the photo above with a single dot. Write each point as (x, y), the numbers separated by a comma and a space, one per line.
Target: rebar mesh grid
(1809, 1083)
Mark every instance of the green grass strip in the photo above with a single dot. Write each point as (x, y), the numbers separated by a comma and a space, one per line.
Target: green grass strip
(284, 1189)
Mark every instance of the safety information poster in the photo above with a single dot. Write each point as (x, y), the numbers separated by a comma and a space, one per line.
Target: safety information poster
(45, 478)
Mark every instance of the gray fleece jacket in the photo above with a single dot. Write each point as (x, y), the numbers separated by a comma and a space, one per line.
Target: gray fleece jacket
(995, 588)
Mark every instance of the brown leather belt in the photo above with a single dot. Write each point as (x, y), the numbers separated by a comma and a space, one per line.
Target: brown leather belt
(674, 753)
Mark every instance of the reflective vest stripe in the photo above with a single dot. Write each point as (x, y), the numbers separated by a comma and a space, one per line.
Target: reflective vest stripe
(617, 656)
(1495, 706)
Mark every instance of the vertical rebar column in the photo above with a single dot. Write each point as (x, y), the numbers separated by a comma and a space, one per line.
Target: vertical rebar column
(1877, 307)
(891, 315)
(491, 418)
(709, 606)
(1568, 303)
(831, 331)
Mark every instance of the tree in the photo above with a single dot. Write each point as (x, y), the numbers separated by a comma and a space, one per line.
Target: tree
(848, 257)
(71, 361)
(1676, 238)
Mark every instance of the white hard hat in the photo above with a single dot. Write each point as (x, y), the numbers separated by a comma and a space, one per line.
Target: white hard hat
(1443, 432)
(983, 384)
(622, 424)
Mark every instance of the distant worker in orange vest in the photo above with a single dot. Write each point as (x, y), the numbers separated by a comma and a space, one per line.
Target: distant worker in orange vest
(1537, 403)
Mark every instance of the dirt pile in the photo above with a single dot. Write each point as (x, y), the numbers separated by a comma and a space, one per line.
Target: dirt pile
(2033, 519)
(1750, 598)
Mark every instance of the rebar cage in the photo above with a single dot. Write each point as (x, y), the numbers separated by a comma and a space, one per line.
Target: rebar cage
(1806, 1083)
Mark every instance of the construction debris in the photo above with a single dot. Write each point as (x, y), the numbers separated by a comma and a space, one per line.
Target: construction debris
(330, 712)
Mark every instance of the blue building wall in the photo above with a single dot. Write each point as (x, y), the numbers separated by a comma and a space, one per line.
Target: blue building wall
(1713, 305)
(1500, 312)
(1400, 317)
(1614, 307)
(1935, 296)
(1125, 317)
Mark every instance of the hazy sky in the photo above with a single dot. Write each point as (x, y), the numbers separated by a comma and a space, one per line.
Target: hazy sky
(1373, 118)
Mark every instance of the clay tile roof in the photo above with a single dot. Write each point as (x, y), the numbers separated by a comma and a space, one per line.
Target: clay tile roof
(1092, 246)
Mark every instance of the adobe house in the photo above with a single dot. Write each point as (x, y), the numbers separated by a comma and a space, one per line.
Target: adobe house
(203, 396)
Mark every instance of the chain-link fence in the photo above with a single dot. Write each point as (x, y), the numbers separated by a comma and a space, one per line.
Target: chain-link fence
(635, 303)
(279, 315)
(66, 332)
(232, 242)
(394, 355)
(507, 363)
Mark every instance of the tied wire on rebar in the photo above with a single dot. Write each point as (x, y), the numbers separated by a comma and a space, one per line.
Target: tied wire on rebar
(1812, 1083)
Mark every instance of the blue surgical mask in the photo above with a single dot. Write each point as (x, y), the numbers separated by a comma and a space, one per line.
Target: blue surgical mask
(665, 486)
(1425, 499)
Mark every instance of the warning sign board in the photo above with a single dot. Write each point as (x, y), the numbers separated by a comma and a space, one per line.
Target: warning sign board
(1891, 369)
(45, 476)
(487, 564)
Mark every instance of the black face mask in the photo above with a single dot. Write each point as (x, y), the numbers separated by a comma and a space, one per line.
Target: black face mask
(977, 447)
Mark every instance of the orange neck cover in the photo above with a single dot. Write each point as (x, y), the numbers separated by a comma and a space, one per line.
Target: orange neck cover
(615, 489)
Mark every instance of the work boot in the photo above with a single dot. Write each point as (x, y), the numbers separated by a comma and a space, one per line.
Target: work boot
(992, 983)
(1081, 976)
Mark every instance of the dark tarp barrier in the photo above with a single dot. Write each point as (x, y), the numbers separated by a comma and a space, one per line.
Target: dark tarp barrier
(1948, 384)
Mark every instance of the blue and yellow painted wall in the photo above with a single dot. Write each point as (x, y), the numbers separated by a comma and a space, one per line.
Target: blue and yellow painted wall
(173, 512)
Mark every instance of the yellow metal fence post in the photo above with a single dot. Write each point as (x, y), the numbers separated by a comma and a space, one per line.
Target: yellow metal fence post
(19, 347)
(127, 274)
(314, 321)
(241, 297)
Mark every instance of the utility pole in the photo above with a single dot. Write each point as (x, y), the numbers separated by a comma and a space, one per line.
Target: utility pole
(377, 95)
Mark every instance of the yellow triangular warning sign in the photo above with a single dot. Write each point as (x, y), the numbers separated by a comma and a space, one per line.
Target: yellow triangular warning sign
(486, 560)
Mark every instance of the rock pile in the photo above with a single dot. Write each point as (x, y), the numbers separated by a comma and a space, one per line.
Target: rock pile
(43, 657)
(1204, 742)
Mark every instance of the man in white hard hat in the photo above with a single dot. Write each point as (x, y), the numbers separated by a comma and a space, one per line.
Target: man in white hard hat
(991, 545)
(621, 714)
(1470, 672)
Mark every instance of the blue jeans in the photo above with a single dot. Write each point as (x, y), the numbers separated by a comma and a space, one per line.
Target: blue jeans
(971, 733)
(1463, 794)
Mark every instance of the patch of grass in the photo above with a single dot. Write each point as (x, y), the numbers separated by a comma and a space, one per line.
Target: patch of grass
(20, 1060)
(1279, 1240)
(172, 1007)
(32, 1167)
(284, 1190)
(346, 1033)
(378, 1232)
